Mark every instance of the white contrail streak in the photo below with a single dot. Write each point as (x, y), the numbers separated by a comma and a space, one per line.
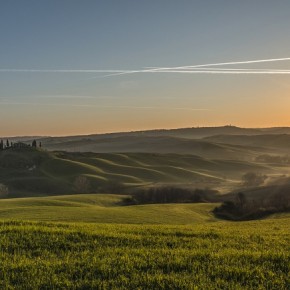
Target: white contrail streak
(63, 70)
(200, 68)
(227, 63)
(233, 69)
(223, 72)
(211, 71)
(201, 65)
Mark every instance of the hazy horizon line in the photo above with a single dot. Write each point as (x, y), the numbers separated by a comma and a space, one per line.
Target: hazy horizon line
(143, 130)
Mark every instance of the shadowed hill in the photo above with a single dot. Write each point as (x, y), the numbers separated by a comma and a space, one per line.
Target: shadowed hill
(31, 172)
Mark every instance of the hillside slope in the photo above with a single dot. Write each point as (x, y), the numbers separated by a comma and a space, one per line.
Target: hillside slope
(102, 208)
(31, 172)
(157, 144)
(277, 142)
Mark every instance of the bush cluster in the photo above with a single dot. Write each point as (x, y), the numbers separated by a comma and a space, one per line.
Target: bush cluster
(170, 194)
(243, 209)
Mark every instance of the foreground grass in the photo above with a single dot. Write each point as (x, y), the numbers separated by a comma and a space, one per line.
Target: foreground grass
(219, 255)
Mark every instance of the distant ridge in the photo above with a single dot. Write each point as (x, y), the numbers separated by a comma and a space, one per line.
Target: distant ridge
(265, 140)
(203, 141)
(188, 132)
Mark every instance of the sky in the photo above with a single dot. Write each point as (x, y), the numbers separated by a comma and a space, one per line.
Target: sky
(71, 67)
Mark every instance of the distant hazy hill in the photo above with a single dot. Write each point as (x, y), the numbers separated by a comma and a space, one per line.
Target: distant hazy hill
(183, 141)
(157, 144)
(192, 133)
(277, 141)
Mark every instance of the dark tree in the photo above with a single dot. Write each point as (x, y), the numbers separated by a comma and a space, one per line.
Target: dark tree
(1, 145)
(34, 144)
(7, 143)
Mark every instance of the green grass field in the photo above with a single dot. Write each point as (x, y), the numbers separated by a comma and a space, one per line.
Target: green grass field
(251, 255)
(93, 242)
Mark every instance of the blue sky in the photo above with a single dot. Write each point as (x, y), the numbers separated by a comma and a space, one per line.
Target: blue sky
(133, 35)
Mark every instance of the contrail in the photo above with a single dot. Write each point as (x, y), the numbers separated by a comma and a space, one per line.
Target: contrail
(63, 70)
(179, 69)
(231, 69)
(222, 72)
(211, 71)
(201, 65)
(227, 63)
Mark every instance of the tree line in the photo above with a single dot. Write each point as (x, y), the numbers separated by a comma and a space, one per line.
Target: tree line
(9, 144)
(172, 194)
(243, 208)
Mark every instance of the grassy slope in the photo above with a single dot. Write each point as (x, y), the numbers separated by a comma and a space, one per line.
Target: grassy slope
(102, 208)
(178, 246)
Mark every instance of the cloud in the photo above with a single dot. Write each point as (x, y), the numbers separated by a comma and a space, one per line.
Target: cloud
(101, 106)
(67, 97)
(145, 107)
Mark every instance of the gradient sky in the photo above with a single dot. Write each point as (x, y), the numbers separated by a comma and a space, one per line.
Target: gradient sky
(134, 35)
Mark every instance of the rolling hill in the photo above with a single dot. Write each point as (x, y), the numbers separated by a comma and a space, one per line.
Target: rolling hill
(29, 172)
(190, 133)
(158, 144)
(106, 208)
(60, 143)
(273, 142)
(102, 208)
